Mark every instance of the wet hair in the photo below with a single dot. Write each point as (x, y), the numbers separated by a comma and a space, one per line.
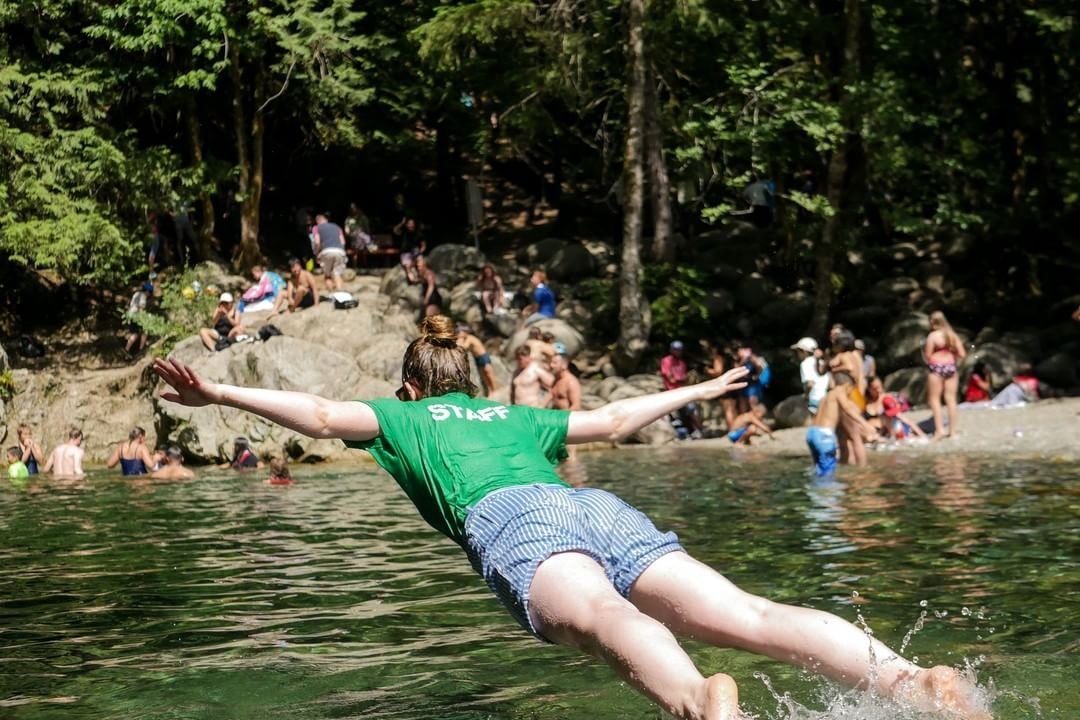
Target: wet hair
(535, 333)
(280, 468)
(845, 341)
(136, 433)
(522, 351)
(174, 453)
(295, 261)
(548, 337)
(75, 434)
(434, 363)
(14, 452)
(242, 442)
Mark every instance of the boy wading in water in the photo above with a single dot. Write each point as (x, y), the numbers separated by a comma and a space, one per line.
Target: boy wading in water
(576, 567)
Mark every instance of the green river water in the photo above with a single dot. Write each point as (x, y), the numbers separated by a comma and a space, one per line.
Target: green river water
(227, 598)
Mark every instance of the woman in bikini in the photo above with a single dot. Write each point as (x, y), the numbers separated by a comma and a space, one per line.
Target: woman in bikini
(577, 566)
(490, 287)
(942, 351)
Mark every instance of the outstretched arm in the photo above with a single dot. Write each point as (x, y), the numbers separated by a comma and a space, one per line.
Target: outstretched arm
(617, 420)
(308, 414)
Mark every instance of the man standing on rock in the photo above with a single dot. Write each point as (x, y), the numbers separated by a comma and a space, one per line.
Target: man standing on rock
(674, 373)
(530, 381)
(66, 460)
(330, 251)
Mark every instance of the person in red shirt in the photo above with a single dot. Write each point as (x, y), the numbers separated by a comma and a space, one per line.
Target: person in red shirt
(979, 384)
(674, 374)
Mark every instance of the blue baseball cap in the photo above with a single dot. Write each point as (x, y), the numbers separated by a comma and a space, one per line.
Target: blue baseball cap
(676, 345)
(559, 348)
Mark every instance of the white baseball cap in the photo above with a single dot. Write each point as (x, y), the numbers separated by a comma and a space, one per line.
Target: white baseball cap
(225, 297)
(806, 344)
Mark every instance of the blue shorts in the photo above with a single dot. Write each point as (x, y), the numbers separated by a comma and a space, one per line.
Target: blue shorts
(736, 435)
(754, 390)
(511, 531)
(823, 449)
(482, 360)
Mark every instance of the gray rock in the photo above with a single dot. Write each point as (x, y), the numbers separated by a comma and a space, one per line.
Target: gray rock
(903, 252)
(718, 302)
(1058, 370)
(206, 434)
(754, 291)
(902, 344)
(537, 255)
(791, 412)
(604, 388)
(1002, 359)
(657, 433)
(396, 286)
(563, 332)
(962, 301)
(576, 313)
(959, 246)
(504, 325)
(3, 360)
(910, 382)
(603, 253)
(464, 303)
(646, 382)
(788, 312)
(571, 262)
(455, 264)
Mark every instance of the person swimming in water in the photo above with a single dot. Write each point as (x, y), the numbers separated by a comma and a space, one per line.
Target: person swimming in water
(66, 459)
(942, 351)
(279, 472)
(132, 455)
(243, 458)
(31, 454)
(576, 566)
(174, 467)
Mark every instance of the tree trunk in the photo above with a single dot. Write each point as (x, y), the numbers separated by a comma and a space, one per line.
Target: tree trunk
(633, 308)
(663, 247)
(846, 172)
(249, 151)
(206, 245)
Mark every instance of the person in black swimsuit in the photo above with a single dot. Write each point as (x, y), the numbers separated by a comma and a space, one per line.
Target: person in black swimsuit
(31, 453)
(225, 323)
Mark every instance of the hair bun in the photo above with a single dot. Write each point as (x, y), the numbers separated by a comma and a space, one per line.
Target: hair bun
(438, 328)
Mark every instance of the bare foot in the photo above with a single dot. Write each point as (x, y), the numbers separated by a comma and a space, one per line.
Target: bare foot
(721, 698)
(944, 689)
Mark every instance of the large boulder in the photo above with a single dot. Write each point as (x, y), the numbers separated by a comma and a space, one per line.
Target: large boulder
(537, 255)
(718, 302)
(504, 325)
(1003, 360)
(576, 313)
(902, 344)
(791, 412)
(891, 292)
(909, 381)
(455, 264)
(205, 434)
(565, 333)
(396, 286)
(787, 313)
(659, 432)
(3, 360)
(755, 291)
(607, 260)
(465, 303)
(1058, 370)
(571, 262)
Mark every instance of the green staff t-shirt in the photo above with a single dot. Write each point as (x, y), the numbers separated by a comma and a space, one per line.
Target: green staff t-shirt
(449, 452)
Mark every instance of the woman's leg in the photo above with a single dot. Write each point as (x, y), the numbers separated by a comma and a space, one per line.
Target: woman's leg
(696, 601)
(209, 338)
(572, 602)
(933, 398)
(952, 387)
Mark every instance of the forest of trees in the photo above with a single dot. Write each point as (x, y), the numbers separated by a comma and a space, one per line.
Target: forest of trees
(875, 119)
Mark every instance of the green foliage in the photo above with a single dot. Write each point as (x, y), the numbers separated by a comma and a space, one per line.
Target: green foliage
(178, 311)
(7, 386)
(677, 296)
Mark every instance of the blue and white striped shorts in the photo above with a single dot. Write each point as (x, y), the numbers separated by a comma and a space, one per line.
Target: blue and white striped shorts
(511, 531)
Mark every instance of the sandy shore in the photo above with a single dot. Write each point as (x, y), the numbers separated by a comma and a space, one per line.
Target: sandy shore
(1049, 428)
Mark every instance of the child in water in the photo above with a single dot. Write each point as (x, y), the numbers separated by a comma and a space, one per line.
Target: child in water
(279, 473)
(16, 469)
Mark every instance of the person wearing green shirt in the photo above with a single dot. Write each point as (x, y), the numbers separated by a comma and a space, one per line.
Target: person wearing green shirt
(577, 566)
(16, 469)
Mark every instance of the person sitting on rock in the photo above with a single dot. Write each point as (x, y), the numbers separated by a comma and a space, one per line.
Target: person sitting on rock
(242, 458)
(174, 467)
(300, 289)
(490, 287)
(475, 347)
(749, 424)
(268, 286)
(132, 455)
(979, 385)
(531, 382)
(543, 300)
(224, 327)
(410, 243)
(674, 373)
